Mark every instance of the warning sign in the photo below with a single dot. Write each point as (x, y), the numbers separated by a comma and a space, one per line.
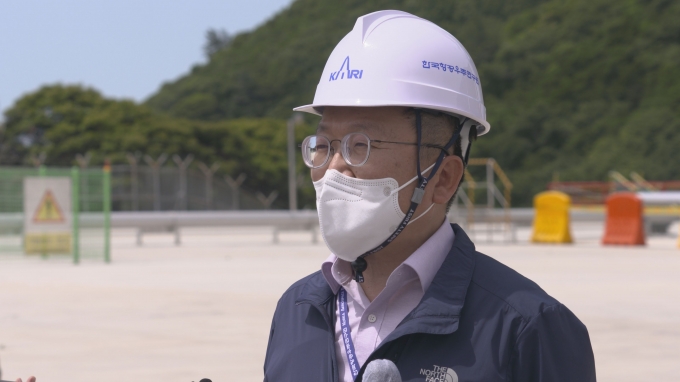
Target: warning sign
(47, 215)
(48, 210)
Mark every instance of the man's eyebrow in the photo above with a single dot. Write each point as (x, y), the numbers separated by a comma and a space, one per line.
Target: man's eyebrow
(322, 127)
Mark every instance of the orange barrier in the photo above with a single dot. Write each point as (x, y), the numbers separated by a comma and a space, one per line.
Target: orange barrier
(551, 219)
(625, 223)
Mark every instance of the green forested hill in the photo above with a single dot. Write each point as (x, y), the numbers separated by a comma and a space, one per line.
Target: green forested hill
(572, 87)
(583, 87)
(575, 87)
(276, 67)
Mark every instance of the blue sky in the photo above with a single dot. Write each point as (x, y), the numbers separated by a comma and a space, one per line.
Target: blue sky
(123, 48)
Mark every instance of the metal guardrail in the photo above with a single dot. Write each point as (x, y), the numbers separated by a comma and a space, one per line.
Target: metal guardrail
(522, 216)
(304, 220)
(174, 221)
(283, 220)
(660, 197)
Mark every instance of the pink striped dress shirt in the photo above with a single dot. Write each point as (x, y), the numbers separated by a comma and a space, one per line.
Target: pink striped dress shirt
(373, 321)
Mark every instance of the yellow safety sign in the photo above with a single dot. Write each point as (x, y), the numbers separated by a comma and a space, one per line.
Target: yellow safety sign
(551, 219)
(48, 216)
(40, 243)
(48, 210)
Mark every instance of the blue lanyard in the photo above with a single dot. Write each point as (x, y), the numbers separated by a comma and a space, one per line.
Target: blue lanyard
(347, 333)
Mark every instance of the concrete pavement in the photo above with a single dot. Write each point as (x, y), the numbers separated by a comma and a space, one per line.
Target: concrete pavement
(166, 313)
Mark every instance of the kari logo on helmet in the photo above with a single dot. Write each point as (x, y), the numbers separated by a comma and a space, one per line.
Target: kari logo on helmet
(452, 68)
(346, 72)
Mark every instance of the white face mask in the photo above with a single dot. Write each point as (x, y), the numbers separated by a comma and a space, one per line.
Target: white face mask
(357, 215)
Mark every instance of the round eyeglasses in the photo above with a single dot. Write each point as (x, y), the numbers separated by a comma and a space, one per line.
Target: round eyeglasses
(354, 147)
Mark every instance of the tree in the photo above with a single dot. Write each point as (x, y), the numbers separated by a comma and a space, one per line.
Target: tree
(216, 40)
(63, 121)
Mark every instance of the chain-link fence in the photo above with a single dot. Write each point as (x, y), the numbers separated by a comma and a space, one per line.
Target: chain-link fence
(167, 188)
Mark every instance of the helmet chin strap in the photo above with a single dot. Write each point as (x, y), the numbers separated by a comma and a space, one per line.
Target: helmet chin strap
(465, 142)
(360, 265)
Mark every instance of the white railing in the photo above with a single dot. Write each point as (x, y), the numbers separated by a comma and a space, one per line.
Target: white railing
(174, 221)
(279, 220)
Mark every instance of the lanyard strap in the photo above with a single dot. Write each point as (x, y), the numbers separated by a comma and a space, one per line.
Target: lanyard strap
(347, 333)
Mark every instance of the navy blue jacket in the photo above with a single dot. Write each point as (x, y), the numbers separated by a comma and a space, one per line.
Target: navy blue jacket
(478, 317)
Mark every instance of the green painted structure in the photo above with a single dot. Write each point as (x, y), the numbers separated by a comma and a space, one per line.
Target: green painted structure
(90, 208)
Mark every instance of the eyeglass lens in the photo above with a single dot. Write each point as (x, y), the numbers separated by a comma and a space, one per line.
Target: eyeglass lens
(355, 149)
(315, 151)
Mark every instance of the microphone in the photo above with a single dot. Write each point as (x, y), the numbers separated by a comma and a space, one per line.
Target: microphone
(381, 370)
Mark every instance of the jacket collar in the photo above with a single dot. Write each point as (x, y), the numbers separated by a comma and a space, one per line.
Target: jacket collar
(438, 311)
(315, 291)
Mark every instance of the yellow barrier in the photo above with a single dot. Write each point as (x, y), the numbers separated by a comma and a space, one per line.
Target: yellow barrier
(551, 219)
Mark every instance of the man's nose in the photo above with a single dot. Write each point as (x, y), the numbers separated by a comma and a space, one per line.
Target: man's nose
(337, 162)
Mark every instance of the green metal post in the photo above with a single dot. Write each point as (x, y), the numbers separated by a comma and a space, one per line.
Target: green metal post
(107, 212)
(75, 205)
(42, 171)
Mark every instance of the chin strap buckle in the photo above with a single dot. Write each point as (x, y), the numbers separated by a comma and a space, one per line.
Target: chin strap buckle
(359, 266)
(418, 194)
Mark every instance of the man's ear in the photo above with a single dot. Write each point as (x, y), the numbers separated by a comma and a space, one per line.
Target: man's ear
(448, 177)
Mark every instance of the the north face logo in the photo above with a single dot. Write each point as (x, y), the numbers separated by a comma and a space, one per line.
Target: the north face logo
(439, 374)
(345, 72)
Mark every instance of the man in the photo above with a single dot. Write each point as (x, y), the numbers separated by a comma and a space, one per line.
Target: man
(400, 102)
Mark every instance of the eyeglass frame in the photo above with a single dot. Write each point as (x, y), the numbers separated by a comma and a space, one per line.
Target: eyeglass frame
(331, 152)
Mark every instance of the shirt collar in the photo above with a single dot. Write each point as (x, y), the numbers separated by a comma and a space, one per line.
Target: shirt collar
(335, 277)
(425, 261)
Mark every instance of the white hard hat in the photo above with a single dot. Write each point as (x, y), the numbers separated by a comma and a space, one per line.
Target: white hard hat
(393, 58)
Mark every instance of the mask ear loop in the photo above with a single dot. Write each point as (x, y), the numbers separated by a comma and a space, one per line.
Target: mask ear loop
(421, 215)
(359, 265)
(409, 182)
